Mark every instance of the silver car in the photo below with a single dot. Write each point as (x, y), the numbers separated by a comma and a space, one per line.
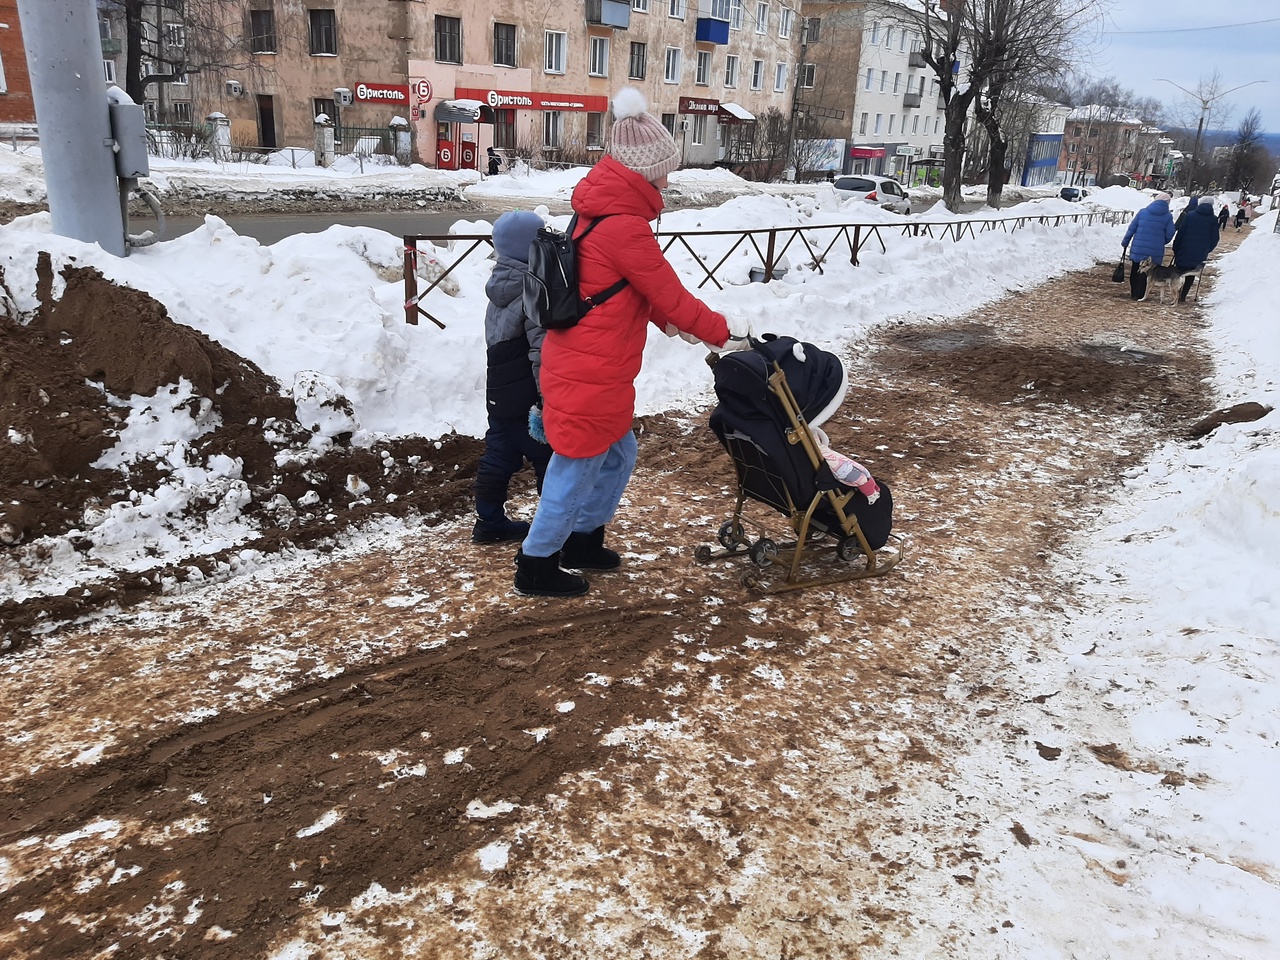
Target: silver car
(882, 191)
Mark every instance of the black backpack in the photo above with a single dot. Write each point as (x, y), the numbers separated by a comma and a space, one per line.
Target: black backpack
(551, 296)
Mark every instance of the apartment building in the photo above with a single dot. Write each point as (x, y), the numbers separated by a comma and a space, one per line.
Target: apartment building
(1099, 142)
(525, 77)
(865, 78)
(17, 109)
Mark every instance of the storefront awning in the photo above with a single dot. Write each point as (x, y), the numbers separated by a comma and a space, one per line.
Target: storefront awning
(733, 113)
(463, 111)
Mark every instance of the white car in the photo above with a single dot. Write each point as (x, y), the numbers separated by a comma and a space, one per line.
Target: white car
(882, 191)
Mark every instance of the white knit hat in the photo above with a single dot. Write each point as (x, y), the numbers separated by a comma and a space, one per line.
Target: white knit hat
(638, 140)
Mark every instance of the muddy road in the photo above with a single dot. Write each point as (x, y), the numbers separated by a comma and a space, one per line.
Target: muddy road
(386, 753)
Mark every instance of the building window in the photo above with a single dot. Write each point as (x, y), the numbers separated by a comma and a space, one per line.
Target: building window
(699, 129)
(762, 16)
(902, 42)
(327, 106)
(891, 119)
(875, 34)
(669, 122)
(148, 110)
(595, 131)
(448, 39)
(675, 8)
(324, 32)
(812, 30)
(870, 78)
(640, 6)
(181, 78)
(553, 61)
(1089, 149)
(108, 71)
(671, 72)
(181, 111)
(262, 31)
(504, 45)
(780, 78)
(884, 80)
(720, 10)
(504, 129)
(552, 129)
(879, 118)
(1073, 148)
(735, 14)
(104, 28)
(702, 71)
(757, 74)
(786, 17)
(897, 82)
(888, 36)
(915, 124)
(175, 35)
(599, 66)
(731, 71)
(862, 124)
(639, 61)
(806, 74)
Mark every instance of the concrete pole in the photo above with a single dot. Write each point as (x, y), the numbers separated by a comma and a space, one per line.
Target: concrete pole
(64, 58)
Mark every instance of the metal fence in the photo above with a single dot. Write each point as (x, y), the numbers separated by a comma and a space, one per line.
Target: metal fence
(363, 141)
(771, 244)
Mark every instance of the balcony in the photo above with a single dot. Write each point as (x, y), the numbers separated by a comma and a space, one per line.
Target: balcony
(712, 30)
(916, 59)
(609, 13)
(110, 48)
(911, 99)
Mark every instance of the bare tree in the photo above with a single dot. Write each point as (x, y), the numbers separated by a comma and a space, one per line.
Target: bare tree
(998, 41)
(1249, 159)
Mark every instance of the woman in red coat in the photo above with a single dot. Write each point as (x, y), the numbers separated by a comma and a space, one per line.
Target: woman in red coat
(589, 370)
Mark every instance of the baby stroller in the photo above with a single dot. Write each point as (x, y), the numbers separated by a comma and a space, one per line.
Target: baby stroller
(769, 395)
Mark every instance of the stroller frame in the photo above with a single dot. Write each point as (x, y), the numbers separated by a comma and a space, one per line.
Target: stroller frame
(850, 543)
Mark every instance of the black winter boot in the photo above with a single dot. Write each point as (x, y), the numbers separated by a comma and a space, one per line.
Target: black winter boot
(494, 526)
(542, 577)
(586, 551)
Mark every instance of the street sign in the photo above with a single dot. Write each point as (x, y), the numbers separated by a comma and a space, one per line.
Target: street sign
(423, 89)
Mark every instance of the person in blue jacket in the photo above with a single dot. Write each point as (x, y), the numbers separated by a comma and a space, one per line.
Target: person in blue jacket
(1196, 237)
(1147, 236)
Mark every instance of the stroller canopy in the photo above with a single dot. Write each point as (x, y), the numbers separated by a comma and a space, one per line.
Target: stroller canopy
(816, 377)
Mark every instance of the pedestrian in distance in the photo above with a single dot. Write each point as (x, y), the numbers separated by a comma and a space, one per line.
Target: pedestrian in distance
(589, 370)
(1242, 214)
(1193, 243)
(494, 161)
(513, 349)
(1147, 236)
(1224, 215)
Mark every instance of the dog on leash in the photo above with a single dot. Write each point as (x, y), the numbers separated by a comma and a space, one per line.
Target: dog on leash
(1163, 276)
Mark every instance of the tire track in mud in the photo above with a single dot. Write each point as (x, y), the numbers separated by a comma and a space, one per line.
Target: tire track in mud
(220, 839)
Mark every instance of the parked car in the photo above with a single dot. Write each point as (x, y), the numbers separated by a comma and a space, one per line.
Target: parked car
(1073, 193)
(882, 191)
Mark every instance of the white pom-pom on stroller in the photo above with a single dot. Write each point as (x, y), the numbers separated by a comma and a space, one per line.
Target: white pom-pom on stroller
(769, 397)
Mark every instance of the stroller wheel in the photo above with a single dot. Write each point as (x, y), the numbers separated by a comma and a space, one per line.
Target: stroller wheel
(731, 535)
(849, 548)
(763, 552)
(702, 554)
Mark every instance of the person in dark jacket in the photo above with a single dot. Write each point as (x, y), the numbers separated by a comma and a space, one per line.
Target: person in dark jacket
(513, 349)
(1147, 236)
(1191, 205)
(1224, 215)
(589, 370)
(1195, 239)
(1242, 214)
(494, 161)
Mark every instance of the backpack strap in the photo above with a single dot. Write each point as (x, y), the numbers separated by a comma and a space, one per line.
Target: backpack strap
(609, 291)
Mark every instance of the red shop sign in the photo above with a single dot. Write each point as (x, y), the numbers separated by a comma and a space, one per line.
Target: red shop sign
(866, 152)
(518, 100)
(697, 105)
(382, 93)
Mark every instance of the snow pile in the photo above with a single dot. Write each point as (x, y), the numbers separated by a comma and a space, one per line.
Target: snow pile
(1164, 691)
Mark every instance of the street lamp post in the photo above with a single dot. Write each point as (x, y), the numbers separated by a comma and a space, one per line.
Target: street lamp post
(1205, 103)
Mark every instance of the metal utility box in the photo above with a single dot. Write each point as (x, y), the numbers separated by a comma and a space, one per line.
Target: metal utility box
(129, 130)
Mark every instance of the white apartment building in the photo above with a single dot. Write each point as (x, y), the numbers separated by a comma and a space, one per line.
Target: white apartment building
(897, 115)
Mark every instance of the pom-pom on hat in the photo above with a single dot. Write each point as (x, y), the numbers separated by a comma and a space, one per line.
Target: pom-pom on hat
(514, 231)
(638, 140)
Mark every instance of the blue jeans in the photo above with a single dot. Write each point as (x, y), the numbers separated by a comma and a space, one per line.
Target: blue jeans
(578, 495)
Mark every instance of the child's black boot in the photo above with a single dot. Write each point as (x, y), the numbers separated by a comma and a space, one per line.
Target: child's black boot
(586, 551)
(542, 577)
(494, 526)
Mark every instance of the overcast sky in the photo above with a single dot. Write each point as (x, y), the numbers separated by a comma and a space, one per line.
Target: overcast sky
(1184, 40)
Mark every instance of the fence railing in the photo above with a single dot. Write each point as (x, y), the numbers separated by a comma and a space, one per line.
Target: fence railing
(363, 141)
(771, 245)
